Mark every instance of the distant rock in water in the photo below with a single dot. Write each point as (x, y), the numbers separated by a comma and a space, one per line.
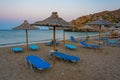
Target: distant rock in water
(24, 26)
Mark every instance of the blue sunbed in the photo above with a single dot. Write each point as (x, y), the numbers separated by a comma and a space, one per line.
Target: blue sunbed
(33, 47)
(17, 49)
(70, 46)
(111, 42)
(51, 43)
(103, 39)
(37, 62)
(94, 46)
(66, 57)
(114, 42)
(73, 39)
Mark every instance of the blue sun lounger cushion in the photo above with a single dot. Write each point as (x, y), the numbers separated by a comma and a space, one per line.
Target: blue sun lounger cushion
(70, 46)
(66, 57)
(33, 47)
(51, 43)
(17, 49)
(103, 38)
(93, 46)
(73, 39)
(113, 42)
(84, 44)
(37, 62)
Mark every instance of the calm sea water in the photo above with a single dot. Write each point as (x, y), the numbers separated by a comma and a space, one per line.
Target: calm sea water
(18, 37)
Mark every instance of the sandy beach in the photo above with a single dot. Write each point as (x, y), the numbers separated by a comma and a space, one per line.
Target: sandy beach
(99, 64)
(36, 22)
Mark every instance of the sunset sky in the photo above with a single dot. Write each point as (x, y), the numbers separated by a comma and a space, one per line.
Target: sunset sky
(14, 12)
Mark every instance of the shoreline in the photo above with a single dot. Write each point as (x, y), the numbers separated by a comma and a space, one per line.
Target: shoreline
(40, 41)
(13, 38)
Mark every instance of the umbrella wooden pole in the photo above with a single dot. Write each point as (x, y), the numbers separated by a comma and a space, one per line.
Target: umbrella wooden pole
(27, 39)
(99, 35)
(64, 36)
(112, 33)
(54, 41)
(86, 35)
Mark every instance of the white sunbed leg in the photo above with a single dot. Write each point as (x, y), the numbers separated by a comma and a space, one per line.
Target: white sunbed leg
(32, 67)
(67, 60)
(51, 54)
(61, 60)
(51, 57)
(26, 62)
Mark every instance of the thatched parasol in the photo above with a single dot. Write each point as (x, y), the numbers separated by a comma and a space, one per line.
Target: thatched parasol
(86, 28)
(55, 21)
(112, 28)
(25, 26)
(100, 22)
(103, 28)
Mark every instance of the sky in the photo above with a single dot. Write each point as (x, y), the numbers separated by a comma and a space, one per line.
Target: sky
(14, 12)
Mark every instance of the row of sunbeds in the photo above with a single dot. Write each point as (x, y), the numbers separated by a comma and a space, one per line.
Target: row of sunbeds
(33, 46)
(85, 44)
(36, 62)
(19, 49)
(39, 63)
(110, 42)
(105, 40)
(71, 46)
(68, 46)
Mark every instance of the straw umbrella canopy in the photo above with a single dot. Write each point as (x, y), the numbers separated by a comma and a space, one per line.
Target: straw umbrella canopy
(53, 21)
(104, 28)
(25, 26)
(118, 27)
(100, 22)
(112, 28)
(86, 28)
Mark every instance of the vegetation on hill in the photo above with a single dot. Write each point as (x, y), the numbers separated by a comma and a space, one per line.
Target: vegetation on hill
(112, 16)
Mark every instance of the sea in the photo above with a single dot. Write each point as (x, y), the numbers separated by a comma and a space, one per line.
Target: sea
(18, 37)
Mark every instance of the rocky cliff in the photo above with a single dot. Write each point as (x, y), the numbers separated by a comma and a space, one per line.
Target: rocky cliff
(112, 16)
